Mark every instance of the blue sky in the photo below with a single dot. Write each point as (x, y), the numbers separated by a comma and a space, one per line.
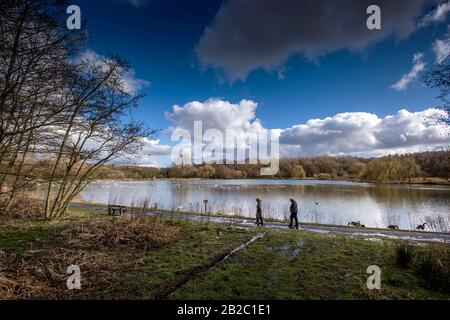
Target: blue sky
(161, 40)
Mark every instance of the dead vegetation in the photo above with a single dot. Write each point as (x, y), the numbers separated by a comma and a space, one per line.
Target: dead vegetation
(23, 208)
(107, 250)
(122, 232)
(42, 274)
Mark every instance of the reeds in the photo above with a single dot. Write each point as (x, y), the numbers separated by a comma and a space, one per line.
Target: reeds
(404, 255)
(435, 270)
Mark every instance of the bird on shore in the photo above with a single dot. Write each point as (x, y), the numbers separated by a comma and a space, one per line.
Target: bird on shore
(393, 227)
(354, 223)
(421, 226)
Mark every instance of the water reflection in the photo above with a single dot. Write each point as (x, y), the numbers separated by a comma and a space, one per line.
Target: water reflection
(326, 202)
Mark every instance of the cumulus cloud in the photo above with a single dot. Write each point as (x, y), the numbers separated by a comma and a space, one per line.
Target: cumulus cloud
(132, 84)
(223, 120)
(418, 66)
(366, 134)
(356, 133)
(216, 114)
(437, 15)
(253, 34)
(442, 50)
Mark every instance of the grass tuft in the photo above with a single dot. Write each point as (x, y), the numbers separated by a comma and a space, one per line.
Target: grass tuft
(404, 255)
(435, 270)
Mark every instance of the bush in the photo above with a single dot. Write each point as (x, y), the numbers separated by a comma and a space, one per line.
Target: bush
(436, 272)
(404, 254)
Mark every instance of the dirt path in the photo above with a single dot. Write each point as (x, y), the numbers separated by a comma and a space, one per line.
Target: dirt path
(366, 232)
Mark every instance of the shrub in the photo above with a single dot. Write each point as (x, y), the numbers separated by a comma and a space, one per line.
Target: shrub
(404, 254)
(435, 271)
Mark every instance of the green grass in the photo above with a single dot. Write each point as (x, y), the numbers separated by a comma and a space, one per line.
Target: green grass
(285, 264)
(299, 265)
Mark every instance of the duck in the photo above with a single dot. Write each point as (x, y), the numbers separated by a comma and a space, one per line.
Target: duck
(421, 226)
(392, 227)
(354, 223)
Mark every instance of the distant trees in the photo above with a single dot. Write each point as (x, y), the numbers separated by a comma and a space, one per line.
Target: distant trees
(410, 169)
(57, 109)
(434, 164)
(390, 169)
(298, 172)
(206, 171)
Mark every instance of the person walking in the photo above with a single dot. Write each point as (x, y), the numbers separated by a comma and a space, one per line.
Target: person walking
(294, 211)
(259, 218)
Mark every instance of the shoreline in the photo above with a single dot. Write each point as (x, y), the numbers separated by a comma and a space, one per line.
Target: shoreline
(441, 182)
(412, 235)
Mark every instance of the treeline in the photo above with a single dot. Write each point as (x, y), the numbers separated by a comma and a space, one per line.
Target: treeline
(389, 169)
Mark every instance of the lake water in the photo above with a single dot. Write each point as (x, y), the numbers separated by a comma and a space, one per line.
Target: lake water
(326, 202)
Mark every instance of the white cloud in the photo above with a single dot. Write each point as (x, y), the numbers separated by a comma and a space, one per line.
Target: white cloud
(442, 50)
(216, 114)
(153, 147)
(237, 120)
(437, 15)
(351, 133)
(153, 154)
(131, 83)
(366, 134)
(407, 79)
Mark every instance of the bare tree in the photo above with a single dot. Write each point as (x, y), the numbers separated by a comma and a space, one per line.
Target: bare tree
(56, 107)
(439, 78)
(35, 48)
(95, 132)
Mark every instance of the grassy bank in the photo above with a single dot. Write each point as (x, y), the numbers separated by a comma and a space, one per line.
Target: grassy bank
(285, 264)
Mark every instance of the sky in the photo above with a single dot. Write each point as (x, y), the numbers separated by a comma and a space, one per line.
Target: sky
(311, 70)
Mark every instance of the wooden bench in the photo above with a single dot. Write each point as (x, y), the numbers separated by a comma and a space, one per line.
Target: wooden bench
(114, 210)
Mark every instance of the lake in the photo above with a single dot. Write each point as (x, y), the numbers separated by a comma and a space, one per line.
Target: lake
(325, 202)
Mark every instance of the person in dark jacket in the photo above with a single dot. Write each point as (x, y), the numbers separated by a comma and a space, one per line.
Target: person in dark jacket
(259, 218)
(294, 211)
